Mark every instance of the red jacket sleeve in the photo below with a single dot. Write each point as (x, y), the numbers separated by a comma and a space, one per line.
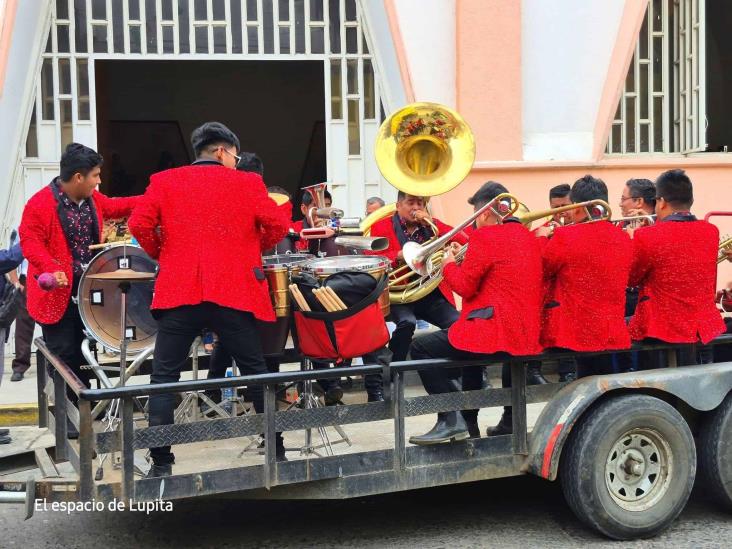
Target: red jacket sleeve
(34, 237)
(552, 255)
(145, 220)
(641, 259)
(465, 279)
(116, 208)
(273, 221)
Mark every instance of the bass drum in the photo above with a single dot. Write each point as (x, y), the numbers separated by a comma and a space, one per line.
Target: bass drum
(100, 300)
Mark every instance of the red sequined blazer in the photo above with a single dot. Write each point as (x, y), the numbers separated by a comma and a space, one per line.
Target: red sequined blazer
(586, 269)
(500, 281)
(385, 228)
(206, 225)
(44, 245)
(675, 265)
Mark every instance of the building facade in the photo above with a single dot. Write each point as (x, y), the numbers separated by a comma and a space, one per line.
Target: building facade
(551, 89)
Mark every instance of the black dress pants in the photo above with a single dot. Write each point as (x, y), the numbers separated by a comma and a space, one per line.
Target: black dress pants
(433, 308)
(24, 327)
(447, 380)
(177, 328)
(64, 339)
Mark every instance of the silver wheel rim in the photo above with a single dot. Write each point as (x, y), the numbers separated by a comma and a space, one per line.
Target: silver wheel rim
(638, 469)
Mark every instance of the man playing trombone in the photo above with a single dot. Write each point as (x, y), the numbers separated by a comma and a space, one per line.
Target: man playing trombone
(638, 200)
(498, 315)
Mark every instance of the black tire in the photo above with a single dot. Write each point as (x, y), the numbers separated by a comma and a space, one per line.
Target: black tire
(629, 466)
(715, 452)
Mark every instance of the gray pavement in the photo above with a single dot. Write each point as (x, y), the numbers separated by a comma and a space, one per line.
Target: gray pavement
(521, 512)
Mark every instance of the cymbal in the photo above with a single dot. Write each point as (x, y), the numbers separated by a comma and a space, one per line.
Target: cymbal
(123, 274)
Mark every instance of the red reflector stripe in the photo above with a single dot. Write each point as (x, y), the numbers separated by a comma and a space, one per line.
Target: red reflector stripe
(549, 450)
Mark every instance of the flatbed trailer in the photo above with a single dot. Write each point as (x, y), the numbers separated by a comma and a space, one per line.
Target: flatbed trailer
(626, 447)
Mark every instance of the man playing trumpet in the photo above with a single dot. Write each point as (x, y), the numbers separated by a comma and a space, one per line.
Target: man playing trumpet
(412, 223)
(498, 315)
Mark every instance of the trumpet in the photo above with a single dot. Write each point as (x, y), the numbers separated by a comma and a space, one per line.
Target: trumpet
(725, 245)
(635, 221)
(596, 210)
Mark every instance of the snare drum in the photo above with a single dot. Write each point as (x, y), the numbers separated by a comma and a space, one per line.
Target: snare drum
(100, 305)
(278, 269)
(375, 265)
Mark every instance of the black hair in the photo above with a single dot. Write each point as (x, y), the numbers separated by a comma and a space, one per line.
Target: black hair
(250, 162)
(487, 192)
(212, 133)
(307, 198)
(279, 190)
(78, 158)
(560, 191)
(642, 188)
(401, 195)
(588, 188)
(675, 187)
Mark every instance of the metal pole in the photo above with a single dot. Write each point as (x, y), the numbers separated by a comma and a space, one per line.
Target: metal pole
(86, 451)
(124, 288)
(397, 403)
(59, 413)
(128, 450)
(518, 408)
(41, 380)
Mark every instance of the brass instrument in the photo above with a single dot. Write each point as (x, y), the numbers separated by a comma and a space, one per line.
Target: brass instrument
(635, 221)
(423, 149)
(419, 257)
(596, 210)
(725, 244)
(318, 210)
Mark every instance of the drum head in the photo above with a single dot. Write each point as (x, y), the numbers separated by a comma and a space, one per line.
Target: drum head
(284, 260)
(337, 264)
(100, 300)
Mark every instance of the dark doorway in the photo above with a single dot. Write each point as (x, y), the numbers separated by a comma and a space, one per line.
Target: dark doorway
(146, 111)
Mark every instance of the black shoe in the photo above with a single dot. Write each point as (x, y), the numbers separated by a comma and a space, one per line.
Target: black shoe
(534, 377)
(4, 432)
(17, 376)
(156, 471)
(450, 426)
(504, 427)
(333, 396)
(375, 396)
(568, 377)
(5, 439)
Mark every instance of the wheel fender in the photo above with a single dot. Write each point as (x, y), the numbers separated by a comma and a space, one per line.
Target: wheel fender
(702, 387)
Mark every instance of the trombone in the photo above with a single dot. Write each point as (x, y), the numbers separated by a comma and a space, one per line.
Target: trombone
(595, 210)
(635, 221)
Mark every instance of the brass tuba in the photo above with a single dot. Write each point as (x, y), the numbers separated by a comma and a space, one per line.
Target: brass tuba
(423, 149)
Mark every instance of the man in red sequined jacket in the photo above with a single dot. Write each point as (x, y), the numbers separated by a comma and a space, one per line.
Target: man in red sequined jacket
(210, 273)
(675, 266)
(59, 224)
(498, 315)
(586, 268)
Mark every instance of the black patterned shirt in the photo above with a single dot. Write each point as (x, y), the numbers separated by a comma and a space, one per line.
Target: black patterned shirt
(78, 226)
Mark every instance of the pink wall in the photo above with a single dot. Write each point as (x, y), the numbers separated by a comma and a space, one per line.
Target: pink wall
(489, 75)
(7, 20)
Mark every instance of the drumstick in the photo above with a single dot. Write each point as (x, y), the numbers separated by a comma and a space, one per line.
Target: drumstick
(107, 244)
(331, 292)
(299, 298)
(324, 300)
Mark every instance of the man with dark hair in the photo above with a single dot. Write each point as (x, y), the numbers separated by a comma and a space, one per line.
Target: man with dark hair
(586, 265)
(638, 198)
(558, 197)
(220, 285)
(59, 224)
(314, 246)
(498, 315)
(250, 162)
(675, 267)
(411, 223)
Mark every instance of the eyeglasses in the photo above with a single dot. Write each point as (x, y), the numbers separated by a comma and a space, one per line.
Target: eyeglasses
(624, 198)
(238, 158)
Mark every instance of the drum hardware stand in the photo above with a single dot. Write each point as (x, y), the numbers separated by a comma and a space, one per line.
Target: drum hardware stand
(307, 401)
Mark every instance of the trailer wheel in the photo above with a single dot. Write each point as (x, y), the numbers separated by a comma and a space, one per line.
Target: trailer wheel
(715, 452)
(629, 466)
